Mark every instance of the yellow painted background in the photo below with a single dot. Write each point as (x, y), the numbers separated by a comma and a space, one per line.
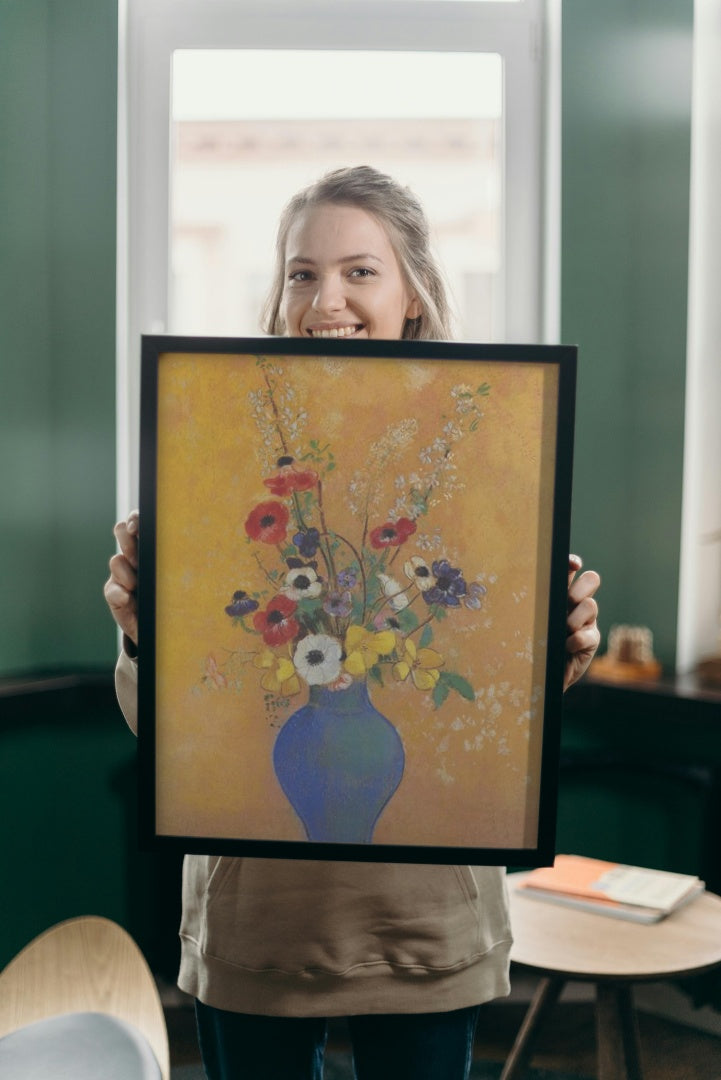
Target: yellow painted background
(472, 768)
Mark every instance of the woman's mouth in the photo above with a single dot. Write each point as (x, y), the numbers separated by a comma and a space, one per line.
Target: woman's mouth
(334, 331)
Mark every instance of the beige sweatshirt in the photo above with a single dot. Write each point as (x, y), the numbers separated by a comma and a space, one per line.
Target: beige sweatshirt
(287, 937)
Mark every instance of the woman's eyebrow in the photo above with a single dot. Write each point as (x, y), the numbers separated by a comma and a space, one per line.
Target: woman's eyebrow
(361, 257)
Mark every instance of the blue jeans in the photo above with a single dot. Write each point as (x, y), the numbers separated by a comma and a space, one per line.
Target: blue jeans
(414, 1046)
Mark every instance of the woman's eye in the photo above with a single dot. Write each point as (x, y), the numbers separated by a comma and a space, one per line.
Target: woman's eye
(362, 272)
(300, 276)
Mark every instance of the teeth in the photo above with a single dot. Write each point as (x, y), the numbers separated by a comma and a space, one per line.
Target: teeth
(336, 332)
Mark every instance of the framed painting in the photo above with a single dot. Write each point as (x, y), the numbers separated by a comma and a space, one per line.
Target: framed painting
(352, 597)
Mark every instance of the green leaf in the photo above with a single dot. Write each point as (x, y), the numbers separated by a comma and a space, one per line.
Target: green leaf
(440, 692)
(376, 674)
(426, 637)
(484, 389)
(459, 684)
(407, 620)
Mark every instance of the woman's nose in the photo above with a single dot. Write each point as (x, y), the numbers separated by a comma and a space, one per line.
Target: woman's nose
(329, 295)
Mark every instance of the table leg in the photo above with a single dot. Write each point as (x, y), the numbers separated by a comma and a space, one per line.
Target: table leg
(617, 1033)
(545, 997)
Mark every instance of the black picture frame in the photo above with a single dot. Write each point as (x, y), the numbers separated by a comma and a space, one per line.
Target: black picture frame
(470, 792)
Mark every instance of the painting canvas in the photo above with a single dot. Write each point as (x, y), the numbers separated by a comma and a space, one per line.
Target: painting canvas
(352, 594)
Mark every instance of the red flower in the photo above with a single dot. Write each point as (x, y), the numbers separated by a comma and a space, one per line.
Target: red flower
(393, 533)
(291, 479)
(276, 623)
(268, 522)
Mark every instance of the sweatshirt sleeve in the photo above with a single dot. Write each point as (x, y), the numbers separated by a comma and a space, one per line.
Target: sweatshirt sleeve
(126, 688)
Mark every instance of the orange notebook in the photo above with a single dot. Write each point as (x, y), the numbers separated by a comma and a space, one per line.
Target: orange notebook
(631, 892)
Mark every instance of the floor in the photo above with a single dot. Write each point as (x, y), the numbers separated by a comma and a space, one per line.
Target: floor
(669, 1050)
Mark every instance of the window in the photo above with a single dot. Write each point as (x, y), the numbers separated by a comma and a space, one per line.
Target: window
(237, 156)
(227, 107)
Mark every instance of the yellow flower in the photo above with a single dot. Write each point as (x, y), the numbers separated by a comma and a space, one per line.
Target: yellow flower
(364, 647)
(421, 664)
(280, 676)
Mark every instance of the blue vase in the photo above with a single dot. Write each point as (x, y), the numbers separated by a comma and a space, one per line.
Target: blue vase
(338, 761)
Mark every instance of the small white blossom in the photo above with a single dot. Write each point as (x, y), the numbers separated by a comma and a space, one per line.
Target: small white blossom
(393, 591)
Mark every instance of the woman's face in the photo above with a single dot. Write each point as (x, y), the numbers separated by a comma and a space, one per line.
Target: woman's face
(342, 277)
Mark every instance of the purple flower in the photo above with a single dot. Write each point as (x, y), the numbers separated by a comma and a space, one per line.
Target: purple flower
(296, 564)
(242, 604)
(474, 597)
(449, 585)
(338, 602)
(307, 542)
(347, 579)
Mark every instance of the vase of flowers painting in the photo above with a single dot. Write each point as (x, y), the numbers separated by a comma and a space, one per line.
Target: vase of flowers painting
(335, 612)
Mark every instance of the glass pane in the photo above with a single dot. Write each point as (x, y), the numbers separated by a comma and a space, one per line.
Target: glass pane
(250, 128)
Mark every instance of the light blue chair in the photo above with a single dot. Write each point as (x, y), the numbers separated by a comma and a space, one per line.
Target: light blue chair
(80, 1003)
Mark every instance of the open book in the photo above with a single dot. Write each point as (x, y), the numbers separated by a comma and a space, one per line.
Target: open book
(608, 888)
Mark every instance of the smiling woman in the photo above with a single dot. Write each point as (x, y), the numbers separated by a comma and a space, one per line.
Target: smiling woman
(353, 259)
(335, 294)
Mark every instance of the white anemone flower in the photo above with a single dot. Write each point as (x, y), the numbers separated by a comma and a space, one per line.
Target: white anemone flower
(417, 570)
(302, 583)
(317, 659)
(394, 592)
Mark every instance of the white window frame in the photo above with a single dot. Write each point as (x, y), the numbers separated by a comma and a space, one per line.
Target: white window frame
(526, 34)
(699, 598)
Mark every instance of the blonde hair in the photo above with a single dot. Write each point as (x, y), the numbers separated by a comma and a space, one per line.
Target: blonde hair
(403, 217)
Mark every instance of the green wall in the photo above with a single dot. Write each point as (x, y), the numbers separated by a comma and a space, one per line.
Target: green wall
(58, 74)
(626, 146)
(68, 803)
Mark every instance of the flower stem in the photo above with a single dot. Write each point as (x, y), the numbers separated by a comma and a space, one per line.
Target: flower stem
(298, 512)
(327, 553)
(276, 414)
(419, 627)
(265, 572)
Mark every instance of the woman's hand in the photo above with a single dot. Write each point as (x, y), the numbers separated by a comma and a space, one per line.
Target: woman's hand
(582, 637)
(121, 587)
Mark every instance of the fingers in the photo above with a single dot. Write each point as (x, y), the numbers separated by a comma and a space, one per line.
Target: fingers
(575, 562)
(123, 608)
(584, 641)
(583, 613)
(583, 587)
(126, 534)
(121, 587)
(582, 634)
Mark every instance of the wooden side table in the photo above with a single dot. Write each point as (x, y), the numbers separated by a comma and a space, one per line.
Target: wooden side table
(562, 944)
